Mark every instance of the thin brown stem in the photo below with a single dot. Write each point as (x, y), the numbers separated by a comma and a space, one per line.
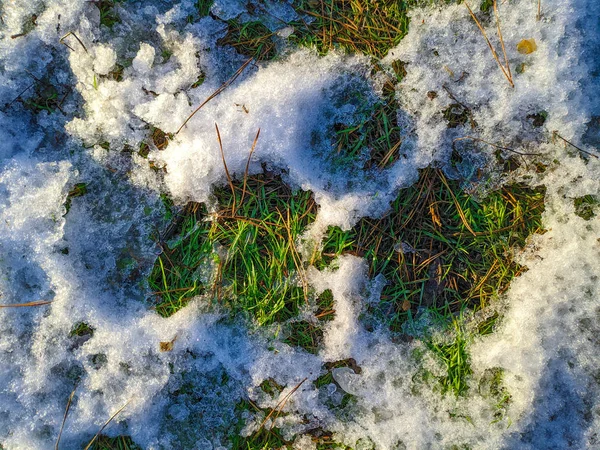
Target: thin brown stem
(282, 403)
(87, 447)
(494, 54)
(24, 305)
(247, 168)
(556, 135)
(229, 180)
(217, 92)
(62, 426)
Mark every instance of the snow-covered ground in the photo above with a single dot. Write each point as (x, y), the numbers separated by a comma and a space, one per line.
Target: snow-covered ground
(547, 343)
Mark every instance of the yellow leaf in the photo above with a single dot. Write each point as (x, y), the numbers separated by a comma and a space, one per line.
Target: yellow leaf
(527, 46)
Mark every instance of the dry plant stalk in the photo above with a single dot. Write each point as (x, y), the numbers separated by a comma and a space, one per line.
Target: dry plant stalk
(217, 92)
(505, 68)
(64, 418)
(87, 447)
(24, 305)
(281, 404)
(229, 180)
(247, 168)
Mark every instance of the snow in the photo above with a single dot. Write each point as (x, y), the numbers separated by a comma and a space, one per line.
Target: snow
(545, 345)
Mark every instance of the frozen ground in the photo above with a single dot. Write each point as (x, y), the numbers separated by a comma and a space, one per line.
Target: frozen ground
(547, 343)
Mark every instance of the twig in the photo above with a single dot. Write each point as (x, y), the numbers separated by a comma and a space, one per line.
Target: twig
(247, 168)
(87, 447)
(281, 404)
(504, 70)
(64, 418)
(78, 40)
(556, 135)
(226, 169)
(217, 92)
(494, 145)
(23, 305)
(539, 11)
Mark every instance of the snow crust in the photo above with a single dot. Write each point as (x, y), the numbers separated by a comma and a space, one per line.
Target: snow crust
(546, 344)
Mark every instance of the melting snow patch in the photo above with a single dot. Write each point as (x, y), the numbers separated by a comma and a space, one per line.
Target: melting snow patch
(181, 377)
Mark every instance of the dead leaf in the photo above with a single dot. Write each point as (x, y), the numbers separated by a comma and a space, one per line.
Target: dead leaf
(167, 346)
(527, 46)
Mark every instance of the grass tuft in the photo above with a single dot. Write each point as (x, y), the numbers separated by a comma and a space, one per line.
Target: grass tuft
(104, 442)
(108, 16)
(370, 28)
(251, 39)
(243, 256)
(441, 248)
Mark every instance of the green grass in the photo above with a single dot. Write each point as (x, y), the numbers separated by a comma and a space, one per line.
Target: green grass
(81, 329)
(203, 7)
(117, 443)
(370, 28)
(455, 357)
(377, 134)
(440, 248)
(244, 256)
(586, 206)
(108, 16)
(252, 39)
(78, 190)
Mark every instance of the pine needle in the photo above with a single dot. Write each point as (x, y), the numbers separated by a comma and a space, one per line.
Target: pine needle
(24, 305)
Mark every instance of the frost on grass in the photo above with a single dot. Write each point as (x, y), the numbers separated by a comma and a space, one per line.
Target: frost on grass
(79, 112)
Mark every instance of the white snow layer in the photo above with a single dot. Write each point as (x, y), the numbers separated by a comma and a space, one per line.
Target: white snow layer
(546, 345)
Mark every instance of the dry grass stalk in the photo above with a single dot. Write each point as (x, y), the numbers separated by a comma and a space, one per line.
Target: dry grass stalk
(87, 447)
(281, 404)
(64, 418)
(461, 213)
(70, 33)
(499, 147)
(505, 69)
(217, 92)
(229, 180)
(556, 135)
(247, 168)
(24, 305)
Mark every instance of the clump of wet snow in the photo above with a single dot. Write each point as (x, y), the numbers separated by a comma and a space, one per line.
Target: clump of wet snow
(91, 260)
